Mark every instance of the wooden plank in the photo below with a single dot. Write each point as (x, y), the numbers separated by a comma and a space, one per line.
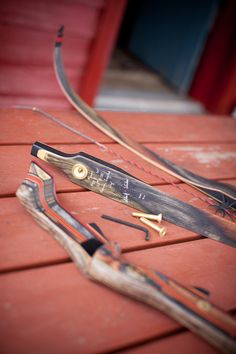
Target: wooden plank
(43, 16)
(27, 33)
(31, 126)
(23, 47)
(148, 127)
(38, 101)
(32, 81)
(173, 127)
(90, 318)
(16, 160)
(216, 162)
(102, 320)
(23, 243)
(184, 343)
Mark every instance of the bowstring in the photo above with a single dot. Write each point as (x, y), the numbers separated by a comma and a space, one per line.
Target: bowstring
(104, 148)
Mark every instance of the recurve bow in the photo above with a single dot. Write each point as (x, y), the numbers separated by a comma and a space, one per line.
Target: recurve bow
(115, 183)
(223, 193)
(101, 261)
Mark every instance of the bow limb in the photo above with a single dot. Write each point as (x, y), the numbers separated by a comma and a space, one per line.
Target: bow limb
(223, 193)
(101, 261)
(115, 183)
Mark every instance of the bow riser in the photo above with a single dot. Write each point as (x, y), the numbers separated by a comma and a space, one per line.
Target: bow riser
(105, 266)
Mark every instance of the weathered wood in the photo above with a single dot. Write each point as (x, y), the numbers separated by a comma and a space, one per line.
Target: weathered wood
(183, 343)
(89, 318)
(20, 80)
(24, 244)
(100, 260)
(27, 33)
(159, 128)
(214, 163)
(118, 185)
(17, 41)
(16, 160)
(44, 15)
(7, 101)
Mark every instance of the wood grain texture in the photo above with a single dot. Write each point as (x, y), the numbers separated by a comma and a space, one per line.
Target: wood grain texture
(26, 37)
(215, 163)
(20, 250)
(104, 264)
(95, 331)
(88, 317)
(40, 202)
(114, 183)
(8, 101)
(27, 34)
(27, 80)
(159, 128)
(17, 50)
(184, 343)
(43, 15)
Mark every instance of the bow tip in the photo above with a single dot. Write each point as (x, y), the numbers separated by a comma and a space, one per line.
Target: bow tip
(60, 34)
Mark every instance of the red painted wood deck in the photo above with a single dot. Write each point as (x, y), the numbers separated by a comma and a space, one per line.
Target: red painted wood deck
(46, 305)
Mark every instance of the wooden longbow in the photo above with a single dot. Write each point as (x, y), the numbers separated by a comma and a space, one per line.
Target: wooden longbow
(224, 193)
(101, 261)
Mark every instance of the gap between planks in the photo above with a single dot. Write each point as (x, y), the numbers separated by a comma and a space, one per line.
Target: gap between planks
(152, 339)
(105, 142)
(79, 190)
(148, 340)
(161, 183)
(65, 260)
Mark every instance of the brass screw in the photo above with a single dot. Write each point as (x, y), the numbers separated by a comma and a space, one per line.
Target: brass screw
(79, 171)
(161, 230)
(157, 217)
(204, 305)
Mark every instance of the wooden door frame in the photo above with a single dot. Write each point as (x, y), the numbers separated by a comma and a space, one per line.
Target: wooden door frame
(108, 26)
(215, 81)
